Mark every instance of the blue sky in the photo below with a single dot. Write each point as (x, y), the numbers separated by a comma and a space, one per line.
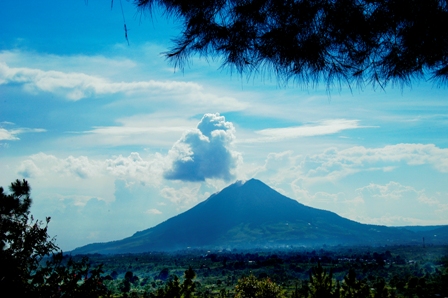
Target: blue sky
(114, 140)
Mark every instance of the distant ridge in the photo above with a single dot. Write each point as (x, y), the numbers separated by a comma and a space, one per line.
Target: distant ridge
(250, 214)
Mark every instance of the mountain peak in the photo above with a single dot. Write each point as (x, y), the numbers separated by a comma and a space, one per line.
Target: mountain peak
(248, 194)
(249, 182)
(242, 183)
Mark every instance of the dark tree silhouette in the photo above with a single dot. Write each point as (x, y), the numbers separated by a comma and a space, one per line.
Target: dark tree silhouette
(174, 289)
(345, 41)
(188, 286)
(354, 288)
(24, 241)
(24, 245)
(321, 284)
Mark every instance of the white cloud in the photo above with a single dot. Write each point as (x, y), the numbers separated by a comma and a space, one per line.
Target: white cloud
(205, 152)
(391, 191)
(76, 199)
(98, 64)
(159, 130)
(132, 168)
(401, 204)
(7, 135)
(80, 84)
(153, 211)
(325, 127)
(75, 167)
(12, 134)
(181, 196)
(82, 191)
(75, 85)
(135, 168)
(370, 185)
(28, 169)
(278, 167)
(335, 164)
(386, 204)
(323, 200)
(398, 220)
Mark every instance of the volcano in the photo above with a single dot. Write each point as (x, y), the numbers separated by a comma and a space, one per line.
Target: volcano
(250, 215)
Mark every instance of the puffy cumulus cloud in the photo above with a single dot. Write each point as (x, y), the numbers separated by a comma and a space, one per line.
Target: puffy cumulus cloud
(334, 164)
(83, 177)
(344, 203)
(80, 167)
(391, 191)
(183, 196)
(386, 204)
(28, 169)
(135, 168)
(91, 192)
(395, 192)
(353, 166)
(370, 185)
(132, 168)
(278, 168)
(205, 152)
(74, 181)
(67, 179)
(400, 204)
(337, 202)
(75, 167)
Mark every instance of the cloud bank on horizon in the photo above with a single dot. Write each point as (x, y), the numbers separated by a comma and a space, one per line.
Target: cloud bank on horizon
(103, 130)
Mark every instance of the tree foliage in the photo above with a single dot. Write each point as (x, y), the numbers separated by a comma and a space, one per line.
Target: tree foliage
(24, 241)
(174, 289)
(321, 284)
(352, 41)
(63, 277)
(251, 287)
(188, 286)
(354, 288)
(24, 245)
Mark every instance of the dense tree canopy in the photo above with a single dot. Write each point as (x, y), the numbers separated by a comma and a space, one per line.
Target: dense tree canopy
(338, 41)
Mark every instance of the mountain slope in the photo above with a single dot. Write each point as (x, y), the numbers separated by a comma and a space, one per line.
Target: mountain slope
(251, 214)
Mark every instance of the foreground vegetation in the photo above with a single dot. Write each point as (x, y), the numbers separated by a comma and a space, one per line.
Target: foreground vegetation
(25, 268)
(33, 266)
(400, 271)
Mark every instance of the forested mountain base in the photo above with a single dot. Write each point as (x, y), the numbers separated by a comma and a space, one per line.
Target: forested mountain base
(404, 271)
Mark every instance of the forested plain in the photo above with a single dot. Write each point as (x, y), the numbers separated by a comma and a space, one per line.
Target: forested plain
(395, 271)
